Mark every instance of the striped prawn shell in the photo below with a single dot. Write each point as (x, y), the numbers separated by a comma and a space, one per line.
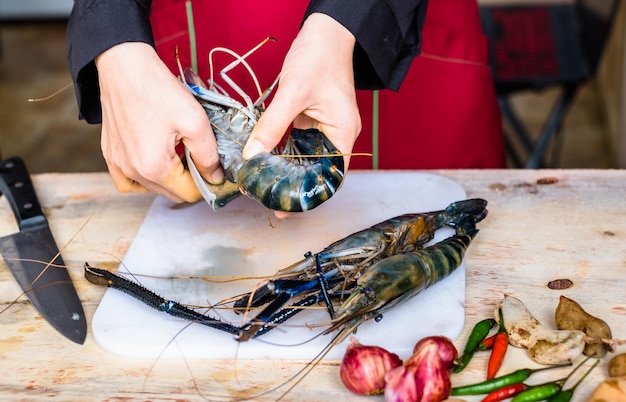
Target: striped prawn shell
(400, 277)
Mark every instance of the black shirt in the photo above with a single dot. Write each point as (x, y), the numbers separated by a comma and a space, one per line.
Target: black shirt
(388, 36)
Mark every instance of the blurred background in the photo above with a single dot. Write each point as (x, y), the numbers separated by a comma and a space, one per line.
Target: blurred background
(33, 64)
(49, 136)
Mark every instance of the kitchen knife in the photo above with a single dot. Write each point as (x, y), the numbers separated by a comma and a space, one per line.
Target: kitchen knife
(33, 256)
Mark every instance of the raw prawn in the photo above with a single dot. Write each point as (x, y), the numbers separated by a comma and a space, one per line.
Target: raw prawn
(402, 276)
(373, 269)
(307, 172)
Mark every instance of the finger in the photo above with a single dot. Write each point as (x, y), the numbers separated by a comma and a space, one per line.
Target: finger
(124, 184)
(202, 146)
(342, 138)
(207, 163)
(179, 182)
(283, 215)
(341, 125)
(167, 176)
(133, 182)
(272, 125)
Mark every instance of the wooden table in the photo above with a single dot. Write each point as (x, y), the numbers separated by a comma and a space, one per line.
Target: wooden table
(574, 228)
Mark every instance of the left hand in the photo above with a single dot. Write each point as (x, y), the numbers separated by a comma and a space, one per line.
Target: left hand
(146, 112)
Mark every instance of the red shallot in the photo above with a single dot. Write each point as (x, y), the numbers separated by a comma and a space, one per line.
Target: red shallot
(363, 368)
(400, 385)
(446, 349)
(425, 377)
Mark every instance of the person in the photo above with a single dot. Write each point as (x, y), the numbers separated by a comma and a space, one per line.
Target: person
(444, 115)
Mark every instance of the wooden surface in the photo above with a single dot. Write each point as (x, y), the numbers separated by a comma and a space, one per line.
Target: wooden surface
(574, 229)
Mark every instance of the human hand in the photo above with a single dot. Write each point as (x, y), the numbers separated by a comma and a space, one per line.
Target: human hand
(146, 112)
(316, 89)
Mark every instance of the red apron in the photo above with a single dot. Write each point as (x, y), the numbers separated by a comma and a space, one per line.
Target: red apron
(445, 114)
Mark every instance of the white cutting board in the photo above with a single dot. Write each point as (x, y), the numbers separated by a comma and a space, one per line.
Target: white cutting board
(194, 240)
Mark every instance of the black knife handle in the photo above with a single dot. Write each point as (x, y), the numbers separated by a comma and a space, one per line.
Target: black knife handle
(16, 185)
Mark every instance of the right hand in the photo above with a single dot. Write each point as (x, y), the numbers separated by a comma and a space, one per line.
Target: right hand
(146, 112)
(316, 90)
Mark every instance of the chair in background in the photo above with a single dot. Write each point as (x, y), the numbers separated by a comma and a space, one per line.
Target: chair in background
(533, 47)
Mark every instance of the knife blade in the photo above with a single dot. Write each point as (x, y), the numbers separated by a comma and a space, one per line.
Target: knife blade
(34, 259)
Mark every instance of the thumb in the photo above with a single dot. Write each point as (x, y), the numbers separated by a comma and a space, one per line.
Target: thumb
(202, 146)
(270, 128)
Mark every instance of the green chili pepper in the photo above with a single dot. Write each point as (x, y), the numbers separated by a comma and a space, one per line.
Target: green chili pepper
(486, 387)
(552, 389)
(462, 362)
(539, 392)
(565, 395)
(479, 332)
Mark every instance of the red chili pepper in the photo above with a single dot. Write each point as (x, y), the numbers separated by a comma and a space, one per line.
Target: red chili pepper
(504, 393)
(487, 343)
(500, 345)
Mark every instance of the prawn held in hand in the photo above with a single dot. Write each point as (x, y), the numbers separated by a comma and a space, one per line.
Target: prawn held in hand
(307, 172)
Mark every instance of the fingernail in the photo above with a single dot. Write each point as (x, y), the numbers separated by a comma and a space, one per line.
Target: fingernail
(252, 148)
(217, 177)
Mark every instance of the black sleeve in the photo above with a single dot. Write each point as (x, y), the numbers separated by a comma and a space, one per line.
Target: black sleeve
(95, 26)
(388, 36)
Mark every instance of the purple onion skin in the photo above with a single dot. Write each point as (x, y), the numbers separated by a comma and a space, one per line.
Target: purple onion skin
(432, 376)
(425, 377)
(400, 385)
(447, 350)
(363, 368)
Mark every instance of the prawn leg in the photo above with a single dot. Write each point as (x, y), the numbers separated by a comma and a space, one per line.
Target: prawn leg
(102, 277)
(295, 280)
(323, 285)
(242, 60)
(260, 326)
(278, 292)
(251, 330)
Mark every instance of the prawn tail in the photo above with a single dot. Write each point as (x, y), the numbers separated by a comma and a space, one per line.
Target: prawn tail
(308, 173)
(476, 208)
(445, 257)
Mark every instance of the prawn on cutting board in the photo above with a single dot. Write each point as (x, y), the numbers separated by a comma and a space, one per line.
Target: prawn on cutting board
(355, 278)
